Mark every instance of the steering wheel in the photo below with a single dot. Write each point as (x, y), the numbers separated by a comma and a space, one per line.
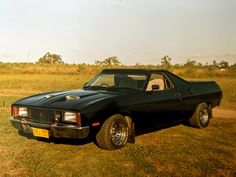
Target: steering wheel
(104, 85)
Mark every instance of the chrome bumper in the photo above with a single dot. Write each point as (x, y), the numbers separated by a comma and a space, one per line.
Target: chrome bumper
(55, 130)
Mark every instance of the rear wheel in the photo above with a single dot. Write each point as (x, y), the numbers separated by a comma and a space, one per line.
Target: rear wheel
(113, 133)
(201, 116)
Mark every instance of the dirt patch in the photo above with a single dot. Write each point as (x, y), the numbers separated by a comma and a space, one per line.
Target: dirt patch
(226, 113)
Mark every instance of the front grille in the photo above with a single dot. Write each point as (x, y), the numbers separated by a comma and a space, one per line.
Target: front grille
(41, 115)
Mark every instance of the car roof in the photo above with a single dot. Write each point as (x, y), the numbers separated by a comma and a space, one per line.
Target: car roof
(140, 71)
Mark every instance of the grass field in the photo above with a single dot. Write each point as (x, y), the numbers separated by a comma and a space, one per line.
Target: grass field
(176, 151)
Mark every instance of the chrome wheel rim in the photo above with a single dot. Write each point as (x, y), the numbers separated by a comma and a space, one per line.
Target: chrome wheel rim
(203, 115)
(119, 132)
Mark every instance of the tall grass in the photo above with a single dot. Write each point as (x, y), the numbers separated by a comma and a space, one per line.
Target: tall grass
(32, 68)
(30, 78)
(20, 85)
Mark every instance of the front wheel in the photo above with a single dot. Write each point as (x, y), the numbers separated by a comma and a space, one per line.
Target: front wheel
(113, 133)
(201, 116)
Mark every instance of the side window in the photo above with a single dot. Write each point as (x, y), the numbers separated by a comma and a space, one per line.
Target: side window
(158, 82)
(106, 79)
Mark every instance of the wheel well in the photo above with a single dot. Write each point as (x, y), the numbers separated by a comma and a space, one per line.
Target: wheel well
(209, 104)
(210, 109)
(126, 116)
(129, 121)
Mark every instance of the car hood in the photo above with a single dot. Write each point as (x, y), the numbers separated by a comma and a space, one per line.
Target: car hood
(67, 100)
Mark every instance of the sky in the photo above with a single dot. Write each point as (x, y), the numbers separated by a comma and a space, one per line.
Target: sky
(136, 31)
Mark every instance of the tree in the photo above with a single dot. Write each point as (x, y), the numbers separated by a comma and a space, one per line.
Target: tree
(199, 64)
(190, 63)
(165, 62)
(224, 64)
(233, 67)
(110, 61)
(215, 64)
(98, 62)
(51, 58)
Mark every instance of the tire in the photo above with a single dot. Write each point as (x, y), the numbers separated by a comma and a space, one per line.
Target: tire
(114, 133)
(201, 116)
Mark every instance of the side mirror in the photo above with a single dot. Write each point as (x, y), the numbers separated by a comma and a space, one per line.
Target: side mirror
(155, 87)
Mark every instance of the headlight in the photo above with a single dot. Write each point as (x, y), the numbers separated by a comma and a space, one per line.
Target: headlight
(23, 112)
(19, 111)
(72, 117)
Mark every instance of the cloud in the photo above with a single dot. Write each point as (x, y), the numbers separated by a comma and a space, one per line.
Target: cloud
(115, 3)
(5, 55)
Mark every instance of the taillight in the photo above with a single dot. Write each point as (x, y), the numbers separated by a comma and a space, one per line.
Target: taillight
(14, 111)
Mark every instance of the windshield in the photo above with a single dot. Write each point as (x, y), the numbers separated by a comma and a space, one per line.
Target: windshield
(118, 81)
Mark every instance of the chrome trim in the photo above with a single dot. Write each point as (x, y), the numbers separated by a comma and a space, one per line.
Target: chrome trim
(57, 130)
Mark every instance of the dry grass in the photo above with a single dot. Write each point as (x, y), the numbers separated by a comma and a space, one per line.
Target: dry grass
(176, 151)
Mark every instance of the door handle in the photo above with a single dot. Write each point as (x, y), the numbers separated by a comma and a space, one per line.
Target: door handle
(191, 91)
(178, 95)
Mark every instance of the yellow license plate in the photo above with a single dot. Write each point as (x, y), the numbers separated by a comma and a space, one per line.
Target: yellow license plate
(40, 132)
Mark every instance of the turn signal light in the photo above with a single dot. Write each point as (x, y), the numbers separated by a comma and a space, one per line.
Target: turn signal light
(78, 118)
(14, 111)
(95, 124)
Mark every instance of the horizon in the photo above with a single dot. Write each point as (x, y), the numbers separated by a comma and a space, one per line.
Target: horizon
(135, 64)
(135, 31)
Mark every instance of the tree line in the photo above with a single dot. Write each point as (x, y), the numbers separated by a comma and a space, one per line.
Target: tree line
(166, 62)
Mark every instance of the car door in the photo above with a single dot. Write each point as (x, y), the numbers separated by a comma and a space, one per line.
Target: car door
(161, 103)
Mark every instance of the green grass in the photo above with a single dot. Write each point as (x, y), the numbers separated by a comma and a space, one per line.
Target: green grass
(176, 151)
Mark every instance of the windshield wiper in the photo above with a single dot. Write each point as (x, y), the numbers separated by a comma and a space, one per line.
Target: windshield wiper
(122, 88)
(94, 87)
(110, 88)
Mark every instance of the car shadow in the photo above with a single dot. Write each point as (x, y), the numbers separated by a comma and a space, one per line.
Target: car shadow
(92, 138)
(72, 141)
(141, 130)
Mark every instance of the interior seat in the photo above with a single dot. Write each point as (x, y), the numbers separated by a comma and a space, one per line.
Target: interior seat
(159, 82)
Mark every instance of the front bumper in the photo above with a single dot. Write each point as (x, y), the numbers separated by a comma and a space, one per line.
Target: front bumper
(55, 130)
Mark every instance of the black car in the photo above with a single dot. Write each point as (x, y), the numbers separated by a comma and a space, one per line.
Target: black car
(115, 104)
